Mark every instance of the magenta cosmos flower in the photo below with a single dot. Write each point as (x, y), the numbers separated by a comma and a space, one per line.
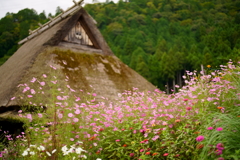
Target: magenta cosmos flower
(200, 138)
(220, 146)
(209, 128)
(219, 129)
(131, 155)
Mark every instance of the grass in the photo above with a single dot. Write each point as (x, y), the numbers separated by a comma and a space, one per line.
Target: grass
(198, 122)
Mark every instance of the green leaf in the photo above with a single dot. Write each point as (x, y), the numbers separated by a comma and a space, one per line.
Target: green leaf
(112, 154)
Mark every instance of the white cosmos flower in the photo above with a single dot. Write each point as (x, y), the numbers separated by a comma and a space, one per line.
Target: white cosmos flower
(64, 148)
(25, 153)
(54, 151)
(32, 153)
(34, 146)
(41, 148)
(73, 146)
(71, 150)
(48, 154)
(79, 150)
(84, 156)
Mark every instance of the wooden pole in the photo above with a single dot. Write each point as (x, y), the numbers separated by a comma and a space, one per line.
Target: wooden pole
(174, 89)
(202, 68)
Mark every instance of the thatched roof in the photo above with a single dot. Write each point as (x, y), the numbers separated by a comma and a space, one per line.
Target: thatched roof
(85, 66)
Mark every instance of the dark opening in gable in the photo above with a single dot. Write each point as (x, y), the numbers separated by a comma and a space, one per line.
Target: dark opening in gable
(81, 34)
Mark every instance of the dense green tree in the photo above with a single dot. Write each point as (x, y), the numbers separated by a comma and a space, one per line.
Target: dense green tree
(23, 29)
(7, 40)
(139, 52)
(58, 11)
(43, 17)
(7, 24)
(14, 27)
(142, 67)
(154, 68)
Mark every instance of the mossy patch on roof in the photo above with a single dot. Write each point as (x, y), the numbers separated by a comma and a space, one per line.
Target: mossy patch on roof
(75, 63)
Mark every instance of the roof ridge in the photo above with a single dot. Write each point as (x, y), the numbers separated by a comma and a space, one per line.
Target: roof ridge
(77, 6)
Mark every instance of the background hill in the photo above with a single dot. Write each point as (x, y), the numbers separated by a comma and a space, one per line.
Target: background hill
(160, 39)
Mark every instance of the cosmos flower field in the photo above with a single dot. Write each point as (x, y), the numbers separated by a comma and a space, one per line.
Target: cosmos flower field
(199, 121)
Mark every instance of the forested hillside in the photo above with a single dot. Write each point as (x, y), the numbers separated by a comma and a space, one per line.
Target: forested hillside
(15, 27)
(160, 39)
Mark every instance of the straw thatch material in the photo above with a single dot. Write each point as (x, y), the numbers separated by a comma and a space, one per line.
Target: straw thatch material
(84, 66)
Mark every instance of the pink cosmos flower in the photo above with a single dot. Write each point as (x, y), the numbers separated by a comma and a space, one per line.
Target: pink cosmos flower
(44, 75)
(53, 67)
(40, 115)
(13, 98)
(219, 129)
(71, 139)
(117, 140)
(32, 91)
(77, 99)
(29, 116)
(42, 83)
(188, 108)
(33, 80)
(200, 138)
(164, 123)
(77, 111)
(94, 94)
(64, 62)
(75, 120)
(26, 89)
(209, 99)
(70, 115)
(60, 115)
(59, 98)
(72, 90)
(155, 137)
(54, 82)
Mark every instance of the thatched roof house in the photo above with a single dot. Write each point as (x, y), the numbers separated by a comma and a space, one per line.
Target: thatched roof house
(73, 45)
